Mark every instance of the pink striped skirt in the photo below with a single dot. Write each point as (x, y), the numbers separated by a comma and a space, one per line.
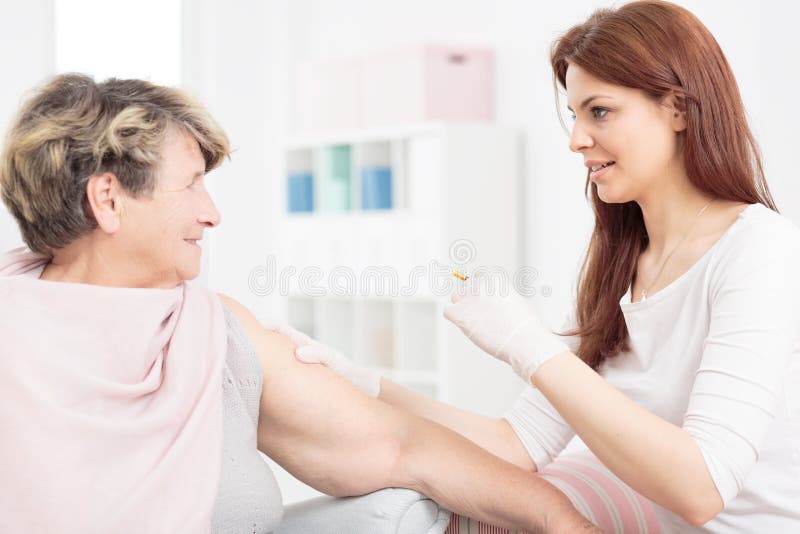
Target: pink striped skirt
(595, 492)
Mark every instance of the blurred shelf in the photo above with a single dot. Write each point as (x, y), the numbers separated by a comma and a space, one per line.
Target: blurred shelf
(444, 183)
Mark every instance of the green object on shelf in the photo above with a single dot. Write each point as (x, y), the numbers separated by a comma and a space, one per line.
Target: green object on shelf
(334, 178)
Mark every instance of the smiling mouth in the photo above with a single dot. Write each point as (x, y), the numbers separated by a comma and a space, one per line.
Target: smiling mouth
(596, 168)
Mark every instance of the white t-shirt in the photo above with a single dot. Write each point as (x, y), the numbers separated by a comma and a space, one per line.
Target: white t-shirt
(716, 352)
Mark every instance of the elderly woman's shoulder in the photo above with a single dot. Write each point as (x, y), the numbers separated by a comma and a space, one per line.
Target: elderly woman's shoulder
(273, 348)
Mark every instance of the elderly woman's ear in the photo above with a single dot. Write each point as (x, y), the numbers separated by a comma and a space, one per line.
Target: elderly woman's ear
(105, 197)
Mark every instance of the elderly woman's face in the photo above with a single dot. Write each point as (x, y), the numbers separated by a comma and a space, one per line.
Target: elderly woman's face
(164, 231)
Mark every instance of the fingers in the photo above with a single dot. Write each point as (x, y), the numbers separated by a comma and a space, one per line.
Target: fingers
(458, 312)
(468, 315)
(481, 283)
(452, 313)
(470, 287)
(297, 337)
(272, 325)
(312, 353)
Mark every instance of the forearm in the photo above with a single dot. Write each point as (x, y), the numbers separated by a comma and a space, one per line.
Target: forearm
(494, 435)
(654, 457)
(328, 435)
(465, 479)
(363, 445)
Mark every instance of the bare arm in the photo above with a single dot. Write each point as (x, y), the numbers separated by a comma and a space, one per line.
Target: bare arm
(494, 435)
(325, 432)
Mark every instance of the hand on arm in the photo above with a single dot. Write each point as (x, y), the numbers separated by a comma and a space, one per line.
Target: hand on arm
(331, 436)
(364, 378)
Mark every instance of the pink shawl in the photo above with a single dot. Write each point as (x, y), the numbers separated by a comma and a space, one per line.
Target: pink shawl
(110, 404)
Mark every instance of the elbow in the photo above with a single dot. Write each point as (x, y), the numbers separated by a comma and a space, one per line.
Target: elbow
(382, 464)
(701, 511)
(411, 456)
(404, 469)
(699, 517)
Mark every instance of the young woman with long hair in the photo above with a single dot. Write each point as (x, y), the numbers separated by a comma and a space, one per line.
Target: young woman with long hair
(679, 369)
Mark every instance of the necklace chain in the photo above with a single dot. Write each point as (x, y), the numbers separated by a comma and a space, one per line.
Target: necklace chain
(664, 263)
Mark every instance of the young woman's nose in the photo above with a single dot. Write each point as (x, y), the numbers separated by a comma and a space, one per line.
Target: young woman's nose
(580, 138)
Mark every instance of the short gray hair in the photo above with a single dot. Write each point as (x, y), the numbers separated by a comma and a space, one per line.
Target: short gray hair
(72, 129)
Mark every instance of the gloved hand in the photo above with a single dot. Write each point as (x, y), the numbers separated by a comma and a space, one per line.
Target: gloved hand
(364, 378)
(311, 351)
(297, 337)
(503, 326)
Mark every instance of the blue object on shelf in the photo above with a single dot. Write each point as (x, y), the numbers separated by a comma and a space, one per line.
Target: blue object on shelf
(300, 192)
(376, 188)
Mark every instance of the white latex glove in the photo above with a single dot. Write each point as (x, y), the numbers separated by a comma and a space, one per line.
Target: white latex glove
(297, 337)
(504, 327)
(311, 351)
(364, 378)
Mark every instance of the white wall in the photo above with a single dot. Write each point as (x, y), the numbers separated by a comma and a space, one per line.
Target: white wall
(26, 59)
(110, 40)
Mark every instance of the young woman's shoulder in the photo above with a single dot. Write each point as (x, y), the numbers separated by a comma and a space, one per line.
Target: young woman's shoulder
(765, 231)
(762, 243)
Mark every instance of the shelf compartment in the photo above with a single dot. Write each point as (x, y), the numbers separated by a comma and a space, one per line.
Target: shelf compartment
(375, 176)
(299, 181)
(334, 171)
(375, 333)
(335, 323)
(417, 341)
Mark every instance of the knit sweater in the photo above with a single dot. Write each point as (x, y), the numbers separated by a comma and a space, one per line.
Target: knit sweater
(249, 500)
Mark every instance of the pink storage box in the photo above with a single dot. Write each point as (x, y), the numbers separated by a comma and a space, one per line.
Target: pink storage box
(427, 83)
(396, 87)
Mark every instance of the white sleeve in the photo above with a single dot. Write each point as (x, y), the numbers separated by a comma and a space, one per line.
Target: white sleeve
(537, 424)
(753, 326)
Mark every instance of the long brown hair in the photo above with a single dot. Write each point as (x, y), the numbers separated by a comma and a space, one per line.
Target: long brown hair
(657, 47)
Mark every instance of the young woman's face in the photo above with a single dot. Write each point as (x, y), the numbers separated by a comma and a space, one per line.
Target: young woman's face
(625, 126)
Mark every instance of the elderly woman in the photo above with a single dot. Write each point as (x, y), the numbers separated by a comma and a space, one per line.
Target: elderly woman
(135, 401)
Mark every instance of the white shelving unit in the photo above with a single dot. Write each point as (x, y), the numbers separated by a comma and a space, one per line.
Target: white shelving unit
(450, 182)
